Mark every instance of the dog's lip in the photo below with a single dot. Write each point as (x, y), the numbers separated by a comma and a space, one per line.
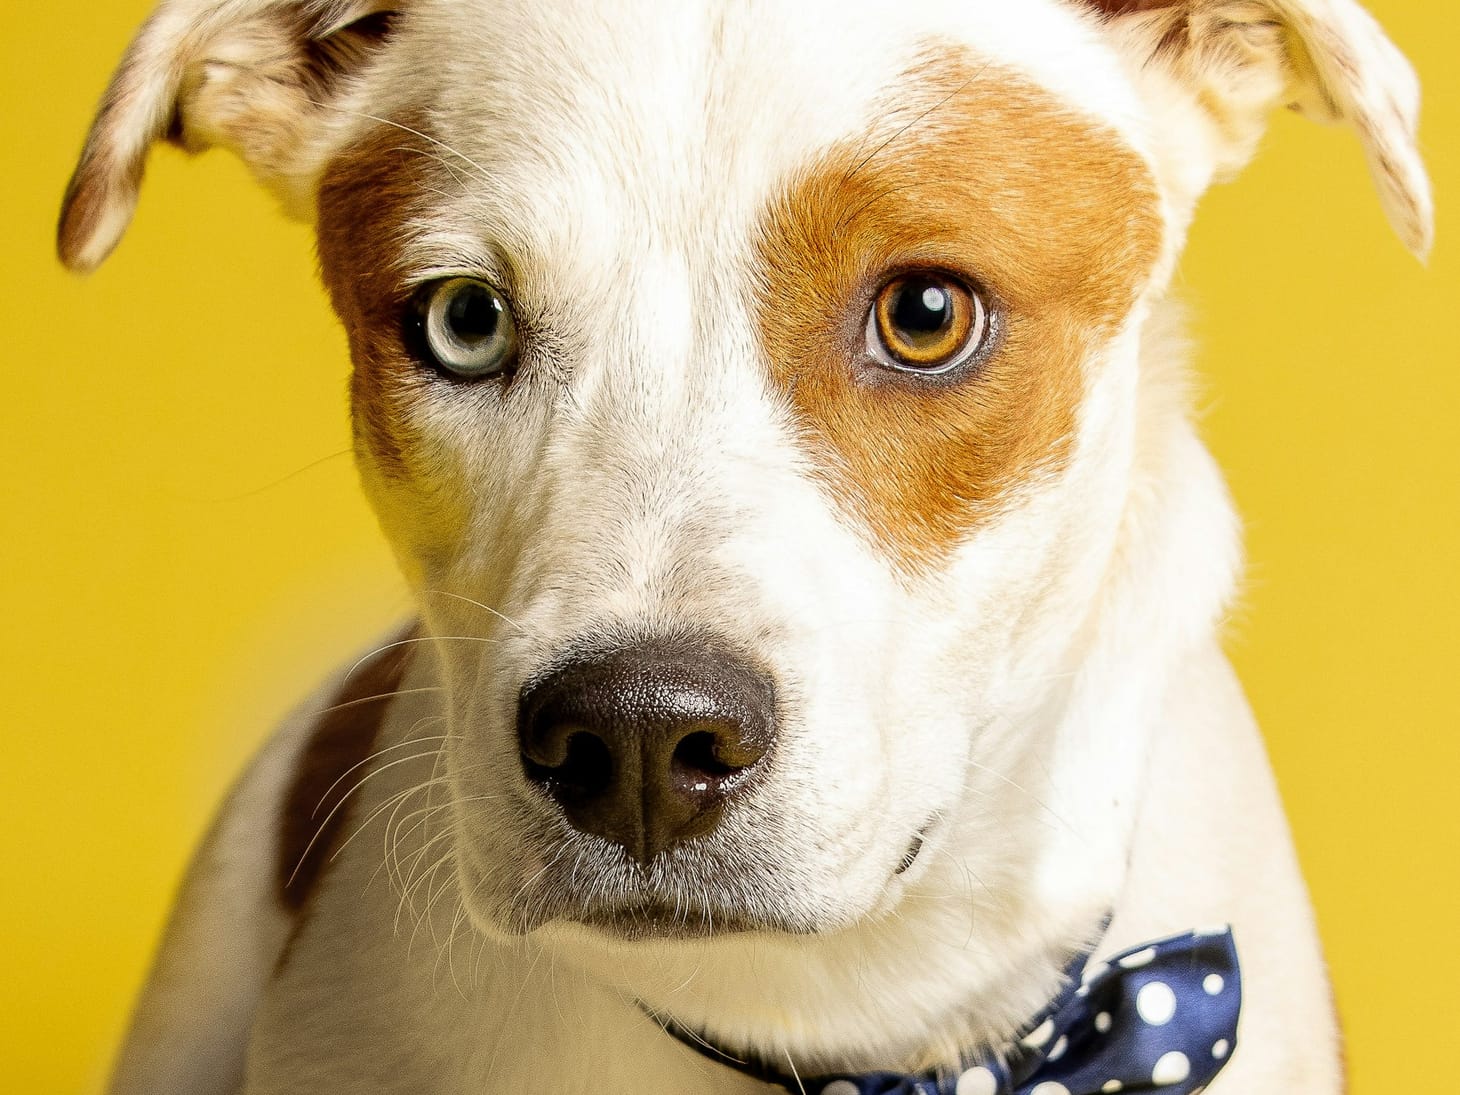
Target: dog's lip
(649, 920)
(910, 856)
(916, 846)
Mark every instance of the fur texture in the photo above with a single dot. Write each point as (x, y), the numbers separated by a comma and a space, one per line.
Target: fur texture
(1040, 701)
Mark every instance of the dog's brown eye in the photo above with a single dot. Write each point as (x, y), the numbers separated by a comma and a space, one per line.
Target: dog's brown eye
(468, 328)
(926, 322)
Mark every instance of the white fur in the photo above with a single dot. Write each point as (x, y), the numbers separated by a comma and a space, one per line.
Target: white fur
(1050, 698)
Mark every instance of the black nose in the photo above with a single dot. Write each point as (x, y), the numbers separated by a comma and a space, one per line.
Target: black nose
(645, 745)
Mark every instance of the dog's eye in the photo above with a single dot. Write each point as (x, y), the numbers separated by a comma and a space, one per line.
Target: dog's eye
(926, 322)
(468, 328)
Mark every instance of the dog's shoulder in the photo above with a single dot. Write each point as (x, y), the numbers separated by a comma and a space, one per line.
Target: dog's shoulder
(336, 743)
(248, 888)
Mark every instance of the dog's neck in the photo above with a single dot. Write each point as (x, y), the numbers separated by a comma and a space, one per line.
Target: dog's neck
(773, 1072)
(1165, 1012)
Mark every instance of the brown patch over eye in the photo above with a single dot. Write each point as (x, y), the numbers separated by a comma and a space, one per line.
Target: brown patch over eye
(370, 198)
(367, 197)
(980, 180)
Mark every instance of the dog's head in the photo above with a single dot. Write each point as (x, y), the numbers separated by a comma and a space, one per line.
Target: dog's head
(755, 395)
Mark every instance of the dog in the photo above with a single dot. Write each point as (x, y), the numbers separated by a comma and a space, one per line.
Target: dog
(778, 411)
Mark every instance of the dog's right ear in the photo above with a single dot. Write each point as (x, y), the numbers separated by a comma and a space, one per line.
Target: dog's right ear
(269, 79)
(1234, 61)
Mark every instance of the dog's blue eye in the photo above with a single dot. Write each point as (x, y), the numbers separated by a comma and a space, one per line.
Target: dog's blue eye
(926, 323)
(468, 328)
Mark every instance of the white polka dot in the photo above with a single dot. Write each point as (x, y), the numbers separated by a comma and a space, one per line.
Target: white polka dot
(1049, 1087)
(1214, 984)
(1171, 1069)
(1139, 959)
(1058, 1049)
(1102, 1022)
(1156, 1003)
(1221, 1049)
(1112, 1086)
(978, 1081)
(840, 1087)
(1092, 972)
(1040, 1035)
(1212, 929)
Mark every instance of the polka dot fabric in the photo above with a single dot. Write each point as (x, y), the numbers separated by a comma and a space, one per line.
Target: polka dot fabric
(1161, 1017)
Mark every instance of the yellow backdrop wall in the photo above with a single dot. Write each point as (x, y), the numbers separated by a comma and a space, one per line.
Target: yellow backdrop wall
(185, 550)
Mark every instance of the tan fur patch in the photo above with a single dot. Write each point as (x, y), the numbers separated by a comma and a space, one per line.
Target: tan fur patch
(366, 199)
(1124, 7)
(369, 198)
(331, 765)
(981, 173)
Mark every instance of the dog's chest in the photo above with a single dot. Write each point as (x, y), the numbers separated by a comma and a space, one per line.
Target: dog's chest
(454, 1019)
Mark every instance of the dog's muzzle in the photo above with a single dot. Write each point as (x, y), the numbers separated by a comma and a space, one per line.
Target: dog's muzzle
(645, 746)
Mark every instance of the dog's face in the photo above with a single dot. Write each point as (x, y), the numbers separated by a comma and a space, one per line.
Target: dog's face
(711, 427)
(767, 376)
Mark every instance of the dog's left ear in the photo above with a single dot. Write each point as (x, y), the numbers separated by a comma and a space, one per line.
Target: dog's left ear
(268, 79)
(1238, 59)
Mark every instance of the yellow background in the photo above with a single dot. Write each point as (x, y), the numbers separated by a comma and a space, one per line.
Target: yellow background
(183, 549)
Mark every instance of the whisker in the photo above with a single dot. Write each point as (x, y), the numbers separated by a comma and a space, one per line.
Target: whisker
(345, 705)
(374, 756)
(478, 604)
(482, 171)
(323, 825)
(1048, 809)
(397, 831)
(959, 90)
(794, 1074)
(455, 172)
(395, 799)
(279, 482)
(416, 639)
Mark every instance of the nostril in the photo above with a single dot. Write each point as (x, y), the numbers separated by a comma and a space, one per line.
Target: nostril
(577, 764)
(696, 764)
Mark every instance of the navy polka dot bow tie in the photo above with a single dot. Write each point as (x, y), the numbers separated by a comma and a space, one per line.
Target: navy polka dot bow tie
(1160, 1017)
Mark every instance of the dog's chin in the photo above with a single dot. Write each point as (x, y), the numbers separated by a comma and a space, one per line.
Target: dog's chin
(569, 882)
(643, 919)
(641, 913)
(652, 921)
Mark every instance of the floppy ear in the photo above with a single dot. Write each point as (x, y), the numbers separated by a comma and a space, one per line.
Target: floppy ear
(265, 78)
(1328, 59)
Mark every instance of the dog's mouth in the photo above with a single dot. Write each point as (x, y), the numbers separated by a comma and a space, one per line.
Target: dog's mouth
(650, 920)
(686, 898)
(915, 847)
(675, 898)
(646, 918)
